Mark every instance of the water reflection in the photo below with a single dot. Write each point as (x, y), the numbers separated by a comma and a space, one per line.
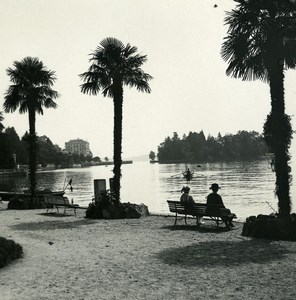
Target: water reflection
(246, 186)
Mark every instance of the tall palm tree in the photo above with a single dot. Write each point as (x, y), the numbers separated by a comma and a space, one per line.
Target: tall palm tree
(114, 65)
(261, 44)
(31, 91)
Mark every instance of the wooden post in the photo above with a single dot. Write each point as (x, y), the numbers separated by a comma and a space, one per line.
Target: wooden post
(99, 186)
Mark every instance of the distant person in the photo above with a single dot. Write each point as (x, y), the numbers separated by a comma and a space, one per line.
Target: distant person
(188, 201)
(188, 175)
(215, 200)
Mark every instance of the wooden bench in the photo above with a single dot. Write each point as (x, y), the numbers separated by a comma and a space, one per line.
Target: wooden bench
(199, 210)
(54, 202)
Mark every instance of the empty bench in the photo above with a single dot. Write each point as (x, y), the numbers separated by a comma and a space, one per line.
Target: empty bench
(54, 202)
(199, 210)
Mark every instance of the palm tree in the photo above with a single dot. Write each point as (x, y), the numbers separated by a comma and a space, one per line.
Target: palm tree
(114, 65)
(30, 92)
(261, 44)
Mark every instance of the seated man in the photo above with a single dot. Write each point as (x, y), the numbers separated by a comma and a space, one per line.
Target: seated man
(215, 200)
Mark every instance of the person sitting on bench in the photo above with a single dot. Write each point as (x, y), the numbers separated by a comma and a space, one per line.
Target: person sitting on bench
(215, 200)
(188, 201)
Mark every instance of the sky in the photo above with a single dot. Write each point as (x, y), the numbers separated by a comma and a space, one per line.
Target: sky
(182, 40)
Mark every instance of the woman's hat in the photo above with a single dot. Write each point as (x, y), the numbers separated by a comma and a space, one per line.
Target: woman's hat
(215, 186)
(185, 188)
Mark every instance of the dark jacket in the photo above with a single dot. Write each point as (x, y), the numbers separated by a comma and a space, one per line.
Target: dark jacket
(215, 200)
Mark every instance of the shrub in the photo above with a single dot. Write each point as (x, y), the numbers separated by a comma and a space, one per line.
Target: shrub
(9, 251)
(105, 207)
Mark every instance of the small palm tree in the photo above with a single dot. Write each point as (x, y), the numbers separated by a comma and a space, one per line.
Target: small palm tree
(114, 65)
(261, 44)
(30, 92)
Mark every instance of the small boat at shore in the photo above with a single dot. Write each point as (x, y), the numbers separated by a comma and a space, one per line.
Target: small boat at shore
(6, 196)
(153, 161)
(12, 173)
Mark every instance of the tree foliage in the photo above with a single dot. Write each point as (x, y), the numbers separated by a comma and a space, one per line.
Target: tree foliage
(48, 153)
(196, 148)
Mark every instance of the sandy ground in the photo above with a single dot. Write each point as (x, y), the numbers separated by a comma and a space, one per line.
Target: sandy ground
(68, 257)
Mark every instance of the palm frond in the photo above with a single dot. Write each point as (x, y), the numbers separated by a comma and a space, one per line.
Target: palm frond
(259, 34)
(113, 62)
(32, 86)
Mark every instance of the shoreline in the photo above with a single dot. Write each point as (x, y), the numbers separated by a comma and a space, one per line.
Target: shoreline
(68, 257)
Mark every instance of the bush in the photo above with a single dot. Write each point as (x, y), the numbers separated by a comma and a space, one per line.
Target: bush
(106, 207)
(9, 251)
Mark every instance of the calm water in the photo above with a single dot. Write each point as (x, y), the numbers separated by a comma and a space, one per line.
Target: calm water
(246, 186)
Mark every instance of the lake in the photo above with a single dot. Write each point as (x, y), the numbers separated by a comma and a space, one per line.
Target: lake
(247, 188)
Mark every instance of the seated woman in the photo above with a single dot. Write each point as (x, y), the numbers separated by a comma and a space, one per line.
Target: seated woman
(214, 199)
(188, 201)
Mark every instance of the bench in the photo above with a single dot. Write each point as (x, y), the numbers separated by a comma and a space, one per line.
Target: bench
(199, 210)
(54, 202)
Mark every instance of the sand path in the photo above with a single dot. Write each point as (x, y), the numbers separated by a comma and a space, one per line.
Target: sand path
(68, 257)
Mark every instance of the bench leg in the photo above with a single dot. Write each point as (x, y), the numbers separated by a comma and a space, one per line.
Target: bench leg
(186, 220)
(176, 216)
(217, 222)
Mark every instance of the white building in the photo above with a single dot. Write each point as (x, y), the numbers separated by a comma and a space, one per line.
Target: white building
(78, 146)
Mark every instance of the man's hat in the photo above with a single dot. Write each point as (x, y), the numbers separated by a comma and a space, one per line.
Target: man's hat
(215, 186)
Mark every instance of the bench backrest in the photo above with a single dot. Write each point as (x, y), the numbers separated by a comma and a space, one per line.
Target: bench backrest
(177, 206)
(57, 200)
(198, 209)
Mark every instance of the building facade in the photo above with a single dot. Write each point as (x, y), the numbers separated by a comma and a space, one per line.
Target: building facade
(78, 146)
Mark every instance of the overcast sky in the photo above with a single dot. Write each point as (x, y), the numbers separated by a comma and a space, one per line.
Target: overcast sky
(182, 39)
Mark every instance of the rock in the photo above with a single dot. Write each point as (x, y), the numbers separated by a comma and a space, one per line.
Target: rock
(270, 227)
(105, 214)
(136, 210)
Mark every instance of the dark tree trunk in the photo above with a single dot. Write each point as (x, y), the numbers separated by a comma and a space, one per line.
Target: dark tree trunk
(279, 138)
(32, 152)
(118, 102)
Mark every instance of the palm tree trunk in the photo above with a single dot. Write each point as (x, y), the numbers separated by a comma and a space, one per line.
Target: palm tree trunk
(279, 139)
(32, 152)
(117, 138)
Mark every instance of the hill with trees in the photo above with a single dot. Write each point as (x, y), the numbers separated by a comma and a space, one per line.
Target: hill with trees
(47, 153)
(195, 147)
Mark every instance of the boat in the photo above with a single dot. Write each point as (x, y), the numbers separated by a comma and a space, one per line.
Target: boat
(188, 175)
(6, 196)
(12, 172)
(153, 161)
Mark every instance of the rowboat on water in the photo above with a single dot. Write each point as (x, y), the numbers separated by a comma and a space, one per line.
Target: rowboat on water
(188, 175)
